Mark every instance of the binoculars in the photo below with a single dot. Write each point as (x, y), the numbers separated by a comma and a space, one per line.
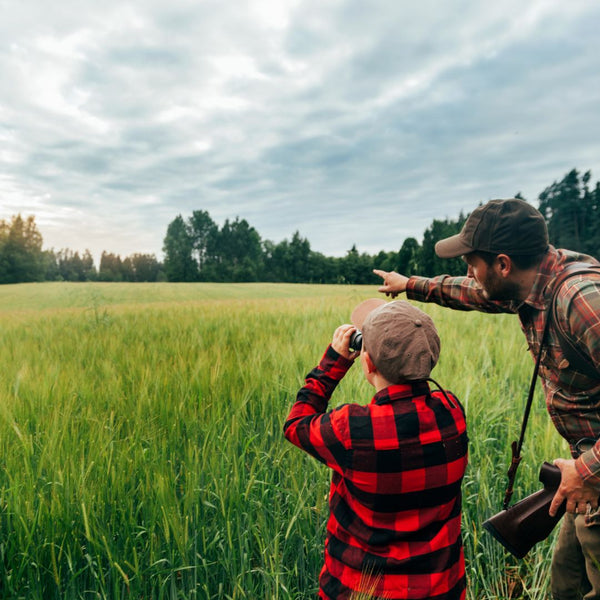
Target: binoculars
(356, 341)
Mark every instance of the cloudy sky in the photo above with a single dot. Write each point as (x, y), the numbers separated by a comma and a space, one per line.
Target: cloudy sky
(350, 121)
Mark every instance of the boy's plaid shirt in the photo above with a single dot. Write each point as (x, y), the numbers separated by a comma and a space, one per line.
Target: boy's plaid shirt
(395, 497)
(572, 397)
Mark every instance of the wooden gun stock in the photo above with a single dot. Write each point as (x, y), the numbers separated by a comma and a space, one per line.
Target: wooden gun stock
(521, 526)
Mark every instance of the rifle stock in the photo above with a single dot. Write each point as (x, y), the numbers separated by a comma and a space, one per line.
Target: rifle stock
(521, 526)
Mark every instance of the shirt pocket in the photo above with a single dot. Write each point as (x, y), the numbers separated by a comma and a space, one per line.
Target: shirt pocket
(556, 368)
(554, 365)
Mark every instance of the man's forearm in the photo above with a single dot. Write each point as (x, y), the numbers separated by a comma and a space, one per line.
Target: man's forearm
(458, 293)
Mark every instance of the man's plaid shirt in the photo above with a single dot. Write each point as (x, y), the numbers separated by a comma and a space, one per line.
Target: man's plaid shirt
(395, 496)
(572, 398)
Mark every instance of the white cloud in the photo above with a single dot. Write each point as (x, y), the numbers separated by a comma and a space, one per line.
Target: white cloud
(351, 122)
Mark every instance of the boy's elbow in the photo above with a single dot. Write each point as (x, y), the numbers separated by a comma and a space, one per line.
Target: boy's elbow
(286, 429)
(290, 429)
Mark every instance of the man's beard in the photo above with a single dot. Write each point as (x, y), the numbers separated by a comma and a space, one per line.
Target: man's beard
(497, 289)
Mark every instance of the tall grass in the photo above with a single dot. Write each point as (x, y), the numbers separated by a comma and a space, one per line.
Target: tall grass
(141, 453)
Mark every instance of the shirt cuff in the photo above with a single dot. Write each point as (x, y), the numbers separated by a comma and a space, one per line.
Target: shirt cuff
(588, 466)
(417, 288)
(334, 364)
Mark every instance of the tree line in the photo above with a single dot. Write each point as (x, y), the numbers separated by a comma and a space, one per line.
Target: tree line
(197, 249)
(23, 260)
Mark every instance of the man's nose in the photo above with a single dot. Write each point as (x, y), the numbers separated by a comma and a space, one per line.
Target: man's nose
(470, 271)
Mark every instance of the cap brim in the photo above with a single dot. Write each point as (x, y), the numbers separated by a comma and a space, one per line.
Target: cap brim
(359, 314)
(452, 247)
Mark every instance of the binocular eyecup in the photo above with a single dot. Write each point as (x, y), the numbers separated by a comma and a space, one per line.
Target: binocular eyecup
(356, 341)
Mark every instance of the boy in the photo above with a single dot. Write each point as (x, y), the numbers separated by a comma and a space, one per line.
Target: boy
(398, 462)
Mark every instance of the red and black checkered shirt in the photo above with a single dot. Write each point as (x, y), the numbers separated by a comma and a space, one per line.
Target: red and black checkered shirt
(572, 397)
(395, 497)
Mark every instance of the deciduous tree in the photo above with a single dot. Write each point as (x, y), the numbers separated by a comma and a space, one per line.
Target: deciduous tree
(21, 255)
(178, 246)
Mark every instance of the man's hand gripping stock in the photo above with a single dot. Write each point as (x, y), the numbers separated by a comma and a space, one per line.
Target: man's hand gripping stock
(581, 497)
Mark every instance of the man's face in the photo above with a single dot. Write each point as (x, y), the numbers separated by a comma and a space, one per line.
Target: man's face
(493, 286)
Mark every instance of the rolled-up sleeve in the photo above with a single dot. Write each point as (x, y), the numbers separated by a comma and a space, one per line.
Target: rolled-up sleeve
(458, 293)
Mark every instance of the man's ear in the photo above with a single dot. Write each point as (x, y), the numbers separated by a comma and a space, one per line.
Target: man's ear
(504, 265)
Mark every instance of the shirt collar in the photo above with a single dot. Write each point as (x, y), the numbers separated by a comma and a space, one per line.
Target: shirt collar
(554, 261)
(538, 296)
(401, 391)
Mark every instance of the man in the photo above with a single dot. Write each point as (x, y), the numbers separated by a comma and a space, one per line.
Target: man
(511, 268)
(398, 462)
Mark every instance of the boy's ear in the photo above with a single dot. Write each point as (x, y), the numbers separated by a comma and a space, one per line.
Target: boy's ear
(371, 368)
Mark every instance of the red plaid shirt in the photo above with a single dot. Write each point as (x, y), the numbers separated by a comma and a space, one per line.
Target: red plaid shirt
(395, 497)
(572, 397)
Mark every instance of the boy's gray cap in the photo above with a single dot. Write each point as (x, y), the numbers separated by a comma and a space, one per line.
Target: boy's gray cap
(401, 340)
(511, 227)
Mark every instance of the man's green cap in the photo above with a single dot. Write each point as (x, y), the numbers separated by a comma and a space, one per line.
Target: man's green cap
(511, 227)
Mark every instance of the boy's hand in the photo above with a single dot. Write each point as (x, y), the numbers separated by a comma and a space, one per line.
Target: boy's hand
(341, 341)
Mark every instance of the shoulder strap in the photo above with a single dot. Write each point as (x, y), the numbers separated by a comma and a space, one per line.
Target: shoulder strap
(443, 391)
(579, 360)
(516, 446)
(572, 353)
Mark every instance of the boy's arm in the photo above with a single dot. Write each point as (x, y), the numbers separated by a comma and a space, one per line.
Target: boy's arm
(308, 425)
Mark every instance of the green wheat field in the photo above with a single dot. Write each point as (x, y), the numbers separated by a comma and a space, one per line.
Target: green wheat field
(142, 453)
